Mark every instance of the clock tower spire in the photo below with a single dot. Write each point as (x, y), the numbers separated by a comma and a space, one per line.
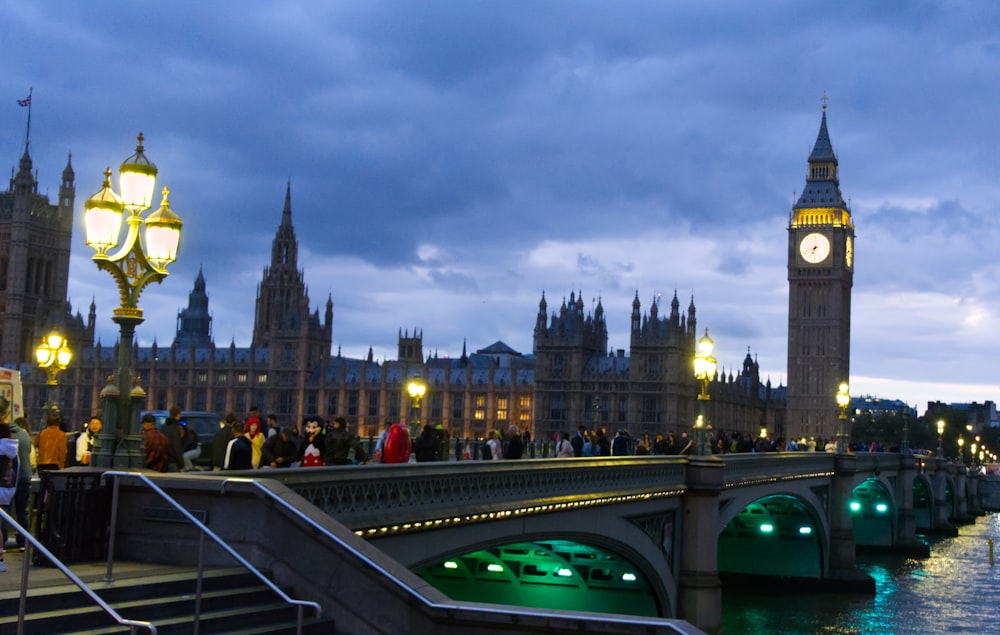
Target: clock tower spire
(820, 277)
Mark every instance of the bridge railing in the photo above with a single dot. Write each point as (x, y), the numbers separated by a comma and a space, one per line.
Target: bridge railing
(415, 492)
(743, 470)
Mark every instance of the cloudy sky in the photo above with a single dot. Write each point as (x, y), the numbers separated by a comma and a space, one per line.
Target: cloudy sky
(451, 161)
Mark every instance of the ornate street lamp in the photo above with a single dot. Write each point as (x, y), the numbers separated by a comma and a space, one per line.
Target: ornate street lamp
(704, 371)
(417, 389)
(961, 453)
(940, 427)
(133, 267)
(843, 401)
(54, 355)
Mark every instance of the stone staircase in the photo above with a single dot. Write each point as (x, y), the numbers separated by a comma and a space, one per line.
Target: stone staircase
(234, 602)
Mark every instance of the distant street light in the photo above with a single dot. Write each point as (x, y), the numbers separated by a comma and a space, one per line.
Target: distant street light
(843, 401)
(54, 355)
(417, 389)
(704, 371)
(940, 428)
(133, 267)
(961, 453)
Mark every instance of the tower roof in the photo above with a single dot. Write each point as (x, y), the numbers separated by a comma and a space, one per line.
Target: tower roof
(823, 149)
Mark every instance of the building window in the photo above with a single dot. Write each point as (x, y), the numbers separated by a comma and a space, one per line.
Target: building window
(311, 401)
(479, 412)
(557, 407)
(501, 410)
(457, 406)
(394, 405)
(352, 403)
(202, 378)
(437, 405)
(221, 378)
(524, 403)
(331, 403)
(285, 401)
(241, 379)
(220, 402)
(373, 404)
(182, 376)
(261, 378)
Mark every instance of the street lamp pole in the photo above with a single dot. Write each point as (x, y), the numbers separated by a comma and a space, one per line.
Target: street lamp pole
(704, 370)
(54, 355)
(940, 429)
(133, 266)
(843, 401)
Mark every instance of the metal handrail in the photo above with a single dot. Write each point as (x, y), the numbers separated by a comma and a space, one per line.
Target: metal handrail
(301, 604)
(32, 542)
(413, 593)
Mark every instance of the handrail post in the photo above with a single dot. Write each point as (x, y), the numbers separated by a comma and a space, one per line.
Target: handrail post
(108, 576)
(22, 608)
(198, 582)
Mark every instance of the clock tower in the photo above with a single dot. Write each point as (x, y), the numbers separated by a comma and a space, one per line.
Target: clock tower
(820, 277)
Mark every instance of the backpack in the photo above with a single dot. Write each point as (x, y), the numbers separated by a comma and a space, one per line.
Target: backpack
(487, 452)
(8, 470)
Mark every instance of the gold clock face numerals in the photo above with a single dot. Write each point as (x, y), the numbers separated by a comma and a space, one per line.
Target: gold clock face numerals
(814, 248)
(849, 251)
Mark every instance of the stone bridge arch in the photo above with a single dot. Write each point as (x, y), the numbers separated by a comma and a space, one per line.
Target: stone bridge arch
(640, 542)
(791, 525)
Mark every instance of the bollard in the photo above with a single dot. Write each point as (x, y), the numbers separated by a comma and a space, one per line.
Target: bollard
(991, 550)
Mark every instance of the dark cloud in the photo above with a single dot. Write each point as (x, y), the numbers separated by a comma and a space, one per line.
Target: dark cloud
(450, 161)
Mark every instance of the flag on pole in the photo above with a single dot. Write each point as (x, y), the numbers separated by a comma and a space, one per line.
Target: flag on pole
(24, 102)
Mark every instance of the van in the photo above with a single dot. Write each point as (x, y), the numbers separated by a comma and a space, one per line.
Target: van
(205, 424)
(10, 389)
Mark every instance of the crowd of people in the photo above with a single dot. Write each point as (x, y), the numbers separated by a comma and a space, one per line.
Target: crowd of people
(251, 443)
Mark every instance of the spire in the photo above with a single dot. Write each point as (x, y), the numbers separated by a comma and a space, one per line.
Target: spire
(286, 213)
(823, 148)
(822, 188)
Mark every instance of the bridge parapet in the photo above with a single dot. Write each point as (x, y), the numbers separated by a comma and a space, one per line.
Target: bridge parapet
(746, 470)
(396, 498)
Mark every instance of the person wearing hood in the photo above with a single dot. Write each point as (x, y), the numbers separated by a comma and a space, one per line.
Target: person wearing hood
(279, 450)
(339, 446)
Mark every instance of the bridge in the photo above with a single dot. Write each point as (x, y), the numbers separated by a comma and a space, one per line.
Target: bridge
(645, 536)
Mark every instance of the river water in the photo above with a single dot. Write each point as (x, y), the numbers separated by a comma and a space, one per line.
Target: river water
(956, 590)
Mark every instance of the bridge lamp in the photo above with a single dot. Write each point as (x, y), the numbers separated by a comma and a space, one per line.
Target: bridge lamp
(628, 577)
(843, 401)
(704, 371)
(961, 454)
(940, 429)
(563, 572)
(149, 246)
(54, 355)
(981, 455)
(450, 564)
(805, 531)
(766, 528)
(854, 506)
(494, 568)
(881, 508)
(763, 432)
(416, 389)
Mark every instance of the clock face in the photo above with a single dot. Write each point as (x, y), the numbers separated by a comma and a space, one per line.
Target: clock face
(849, 251)
(814, 248)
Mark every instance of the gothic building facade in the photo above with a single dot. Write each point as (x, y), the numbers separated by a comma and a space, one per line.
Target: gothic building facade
(579, 381)
(35, 238)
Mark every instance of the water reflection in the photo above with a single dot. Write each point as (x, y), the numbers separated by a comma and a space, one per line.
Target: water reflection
(956, 590)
